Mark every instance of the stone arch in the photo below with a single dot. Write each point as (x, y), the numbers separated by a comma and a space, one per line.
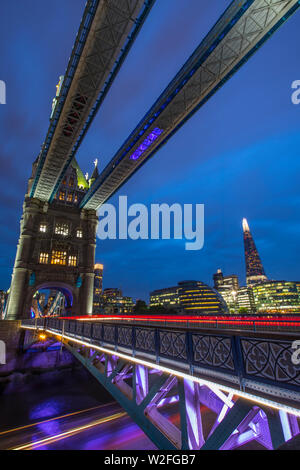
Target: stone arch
(66, 289)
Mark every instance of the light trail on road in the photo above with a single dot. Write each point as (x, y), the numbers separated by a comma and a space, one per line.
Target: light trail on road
(20, 428)
(71, 432)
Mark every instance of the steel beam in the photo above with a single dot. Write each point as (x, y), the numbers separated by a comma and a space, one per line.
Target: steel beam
(106, 34)
(129, 406)
(242, 29)
(228, 425)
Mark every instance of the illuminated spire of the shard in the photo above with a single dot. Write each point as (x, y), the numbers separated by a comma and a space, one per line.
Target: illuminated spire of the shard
(254, 269)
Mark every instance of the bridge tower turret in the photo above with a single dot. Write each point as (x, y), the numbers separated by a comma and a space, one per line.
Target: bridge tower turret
(56, 248)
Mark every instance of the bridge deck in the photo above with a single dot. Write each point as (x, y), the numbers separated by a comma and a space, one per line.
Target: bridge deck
(255, 365)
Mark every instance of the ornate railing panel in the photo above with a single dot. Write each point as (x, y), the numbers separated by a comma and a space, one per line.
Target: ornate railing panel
(269, 360)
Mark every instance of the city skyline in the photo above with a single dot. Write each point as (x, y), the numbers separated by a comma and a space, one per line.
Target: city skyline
(249, 170)
(245, 228)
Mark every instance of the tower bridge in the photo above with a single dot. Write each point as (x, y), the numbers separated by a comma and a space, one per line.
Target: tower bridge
(106, 33)
(247, 379)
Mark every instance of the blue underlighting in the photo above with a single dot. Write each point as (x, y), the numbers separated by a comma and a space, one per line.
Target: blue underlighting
(156, 132)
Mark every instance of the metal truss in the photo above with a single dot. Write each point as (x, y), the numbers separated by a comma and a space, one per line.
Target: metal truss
(256, 366)
(153, 399)
(106, 34)
(242, 29)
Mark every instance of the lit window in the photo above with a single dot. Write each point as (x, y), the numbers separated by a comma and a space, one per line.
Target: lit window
(72, 260)
(62, 195)
(59, 257)
(70, 197)
(79, 233)
(75, 198)
(44, 258)
(43, 228)
(71, 182)
(62, 229)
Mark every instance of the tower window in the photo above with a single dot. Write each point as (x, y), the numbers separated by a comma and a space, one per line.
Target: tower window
(72, 260)
(79, 233)
(62, 229)
(59, 257)
(62, 195)
(75, 198)
(71, 182)
(43, 228)
(44, 257)
(70, 197)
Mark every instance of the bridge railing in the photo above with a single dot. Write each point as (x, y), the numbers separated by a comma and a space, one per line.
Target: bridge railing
(278, 325)
(255, 362)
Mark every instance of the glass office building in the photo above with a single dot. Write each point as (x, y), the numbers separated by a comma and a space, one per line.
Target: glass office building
(280, 297)
(168, 298)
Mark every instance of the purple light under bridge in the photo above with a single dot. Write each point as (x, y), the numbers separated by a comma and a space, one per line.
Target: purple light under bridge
(253, 427)
(155, 133)
(192, 415)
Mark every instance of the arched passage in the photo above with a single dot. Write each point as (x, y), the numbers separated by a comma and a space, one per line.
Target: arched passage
(67, 299)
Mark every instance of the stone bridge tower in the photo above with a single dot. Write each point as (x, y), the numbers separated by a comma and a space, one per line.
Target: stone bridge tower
(56, 248)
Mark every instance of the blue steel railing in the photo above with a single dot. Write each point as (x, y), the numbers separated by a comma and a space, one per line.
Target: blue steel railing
(260, 363)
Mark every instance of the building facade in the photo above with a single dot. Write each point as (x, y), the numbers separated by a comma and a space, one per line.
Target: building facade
(228, 287)
(190, 297)
(245, 300)
(98, 287)
(168, 298)
(279, 297)
(200, 299)
(112, 302)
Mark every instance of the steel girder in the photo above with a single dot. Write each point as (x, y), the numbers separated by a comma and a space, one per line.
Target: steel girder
(242, 29)
(144, 394)
(107, 31)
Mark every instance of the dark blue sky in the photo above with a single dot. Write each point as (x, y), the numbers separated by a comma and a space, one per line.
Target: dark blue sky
(239, 155)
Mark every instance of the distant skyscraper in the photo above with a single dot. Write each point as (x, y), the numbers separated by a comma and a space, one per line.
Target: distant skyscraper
(227, 286)
(254, 269)
(98, 279)
(225, 282)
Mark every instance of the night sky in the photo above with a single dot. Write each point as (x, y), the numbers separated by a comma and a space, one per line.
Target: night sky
(239, 155)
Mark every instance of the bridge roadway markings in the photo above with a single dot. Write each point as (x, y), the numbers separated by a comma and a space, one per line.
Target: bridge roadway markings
(249, 396)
